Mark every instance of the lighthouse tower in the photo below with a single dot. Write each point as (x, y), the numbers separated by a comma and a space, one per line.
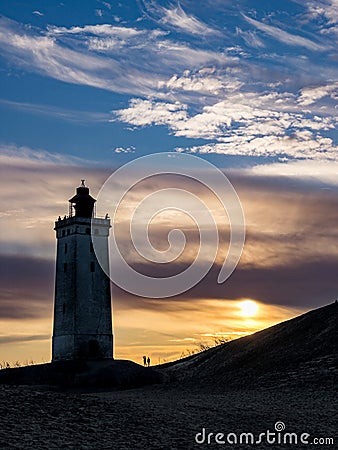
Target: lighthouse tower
(82, 306)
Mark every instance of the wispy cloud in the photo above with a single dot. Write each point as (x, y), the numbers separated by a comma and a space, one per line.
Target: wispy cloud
(104, 66)
(23, 338)
(250, 38)
(44, 55)
(27, 174)
(26, 156)
(321, 171)
(69, 115)
(96, 30)
(18, 281)
(284, 36)
(223, 93)
(177, 19)
(106, 4)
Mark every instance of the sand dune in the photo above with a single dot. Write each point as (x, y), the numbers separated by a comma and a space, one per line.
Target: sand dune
(286, 373)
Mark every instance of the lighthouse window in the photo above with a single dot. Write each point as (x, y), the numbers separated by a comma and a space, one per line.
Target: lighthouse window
(92, 266)
(64, 267)
(66, 248)
(87, 230)
(64, 308)
(91, 248)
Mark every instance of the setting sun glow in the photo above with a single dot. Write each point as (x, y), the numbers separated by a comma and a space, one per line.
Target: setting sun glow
(248, 308)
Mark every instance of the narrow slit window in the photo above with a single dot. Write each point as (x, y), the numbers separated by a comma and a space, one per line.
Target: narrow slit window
(92, 266)
(64, 308)
(66, 248)
(64, 267)
(91, 248)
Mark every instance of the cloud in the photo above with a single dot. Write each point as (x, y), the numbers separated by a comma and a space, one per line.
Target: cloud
(310, 95)
(44, 55)
(23, 338)
(250, 38)
(37, 13)
(62, 53)
(288, 258)
(146, 112)
(318, 148)
(130, 149)
(205, 81)
(290, 225)
(178, 18)
(96, 30)
(288, 262)
(250, 124)
(219, 96)
(146, 63)
(106, 4)
(109, 38)
(26, 287)
(284, 36)
(323, 9)
(316, 171)
(47, 57)
(36, 186)
(296, 285)
(21, 156)
(77, 116)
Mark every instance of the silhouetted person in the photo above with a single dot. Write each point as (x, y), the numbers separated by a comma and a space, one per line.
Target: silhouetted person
(144, 360)
(148, 361)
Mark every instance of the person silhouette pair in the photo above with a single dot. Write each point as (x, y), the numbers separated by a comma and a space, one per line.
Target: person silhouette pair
(146, 361)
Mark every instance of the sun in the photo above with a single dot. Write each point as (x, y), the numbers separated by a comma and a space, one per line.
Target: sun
(248, 308)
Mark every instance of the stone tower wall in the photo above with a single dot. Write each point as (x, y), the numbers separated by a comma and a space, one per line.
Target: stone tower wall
(82, 308)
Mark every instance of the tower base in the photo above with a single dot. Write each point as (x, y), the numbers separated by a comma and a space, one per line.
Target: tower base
(82, 346)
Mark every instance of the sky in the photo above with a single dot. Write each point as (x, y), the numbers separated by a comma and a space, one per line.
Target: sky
(250, 86)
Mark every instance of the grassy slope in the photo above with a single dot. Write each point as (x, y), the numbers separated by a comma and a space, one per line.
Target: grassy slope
(300, 350)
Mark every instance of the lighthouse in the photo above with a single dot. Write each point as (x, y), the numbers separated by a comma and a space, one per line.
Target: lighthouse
(82, 327)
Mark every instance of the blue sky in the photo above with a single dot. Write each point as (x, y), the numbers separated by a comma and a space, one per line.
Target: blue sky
(254, 80)
(251, 86)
